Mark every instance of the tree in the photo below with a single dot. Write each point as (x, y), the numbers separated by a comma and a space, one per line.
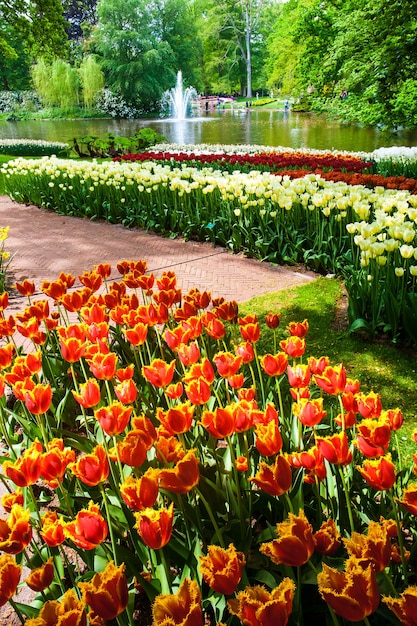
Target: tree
(56, 83)
(142, 44)
(32, 27)
(234, 30)
(92, 79)
(80, 17)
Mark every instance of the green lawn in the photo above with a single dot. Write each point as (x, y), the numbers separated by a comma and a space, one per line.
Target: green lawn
(379, 365)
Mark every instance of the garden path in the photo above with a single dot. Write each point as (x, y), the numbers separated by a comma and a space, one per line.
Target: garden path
(43, 243)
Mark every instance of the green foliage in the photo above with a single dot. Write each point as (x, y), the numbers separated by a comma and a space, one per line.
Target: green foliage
(112, 146)
(367, 48)
(92, 79)
(142, 45)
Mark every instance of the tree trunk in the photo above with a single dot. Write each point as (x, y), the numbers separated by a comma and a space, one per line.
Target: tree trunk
(248, 34)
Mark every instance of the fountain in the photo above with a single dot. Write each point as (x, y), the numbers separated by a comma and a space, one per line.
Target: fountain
(177, 100)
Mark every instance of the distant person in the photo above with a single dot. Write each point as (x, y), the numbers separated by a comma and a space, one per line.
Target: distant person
(286, 104)
(207, 105)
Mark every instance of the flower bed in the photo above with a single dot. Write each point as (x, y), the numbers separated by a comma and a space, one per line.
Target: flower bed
(365, 235)
(153, 453)
(32, 147)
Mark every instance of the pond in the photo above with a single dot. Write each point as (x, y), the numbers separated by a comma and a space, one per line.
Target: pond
(239, 126)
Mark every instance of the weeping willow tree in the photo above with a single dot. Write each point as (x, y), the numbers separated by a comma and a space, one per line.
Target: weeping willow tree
(57, 84)
(92, 79)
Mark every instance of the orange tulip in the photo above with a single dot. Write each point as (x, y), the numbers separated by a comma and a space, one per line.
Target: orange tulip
(92, 468)
(52, 529)
(159, 373)
(54, 289)
(25, 288)
(132, 449)
(309, 412)
(183, 477)
(268, 438)
(373, 548)
(168, 449)
(89, 528)
(26, 469)
(198, 391)
(214, 327)
(16, 530)
(107, 592)
(39, 399)
(126, 391)
(141, 493)
(318, 366)
(9, 499)
(188, 354)
(298, 329)
(242, 463)
(379, 473)
(369, 405)
(55, 461)
(91, 279)
(41, 577)
(409, 499)
(250, 332)
(274, 479)
(113, 418)
(6, 355)
(174, 391)
(72, 349)
(312, 460)
(227, 311)
(272, 320)
(295, 544)
(10, 573)
(245, 350)
(394, 417)
(222, 568)
(227, 363)
(136, 335)
(177, 336)
(274, 364)
(352, 594)
(89, 394)
(404, 607)
(155, 526)
(327, 538)
(335, 449)
(256, 606)
(103, 366)
(293, 346)
(70, 611)
(177, 419)
(373, 437)
(75, 300)
(220, 423)
(180, 609)
(332, 380)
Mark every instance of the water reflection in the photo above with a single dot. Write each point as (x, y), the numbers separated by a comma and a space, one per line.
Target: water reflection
(224, 126)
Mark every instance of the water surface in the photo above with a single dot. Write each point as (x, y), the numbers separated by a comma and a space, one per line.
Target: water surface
(240, 126)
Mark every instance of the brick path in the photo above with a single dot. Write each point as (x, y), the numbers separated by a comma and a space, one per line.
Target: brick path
(43, 244)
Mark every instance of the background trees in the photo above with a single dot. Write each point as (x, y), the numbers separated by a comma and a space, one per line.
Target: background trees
(314, 48)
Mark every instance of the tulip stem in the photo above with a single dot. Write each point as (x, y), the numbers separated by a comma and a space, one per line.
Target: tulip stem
(106, 505)
(213, 521)
(347, 498)
(17, 611)
(400, 535)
